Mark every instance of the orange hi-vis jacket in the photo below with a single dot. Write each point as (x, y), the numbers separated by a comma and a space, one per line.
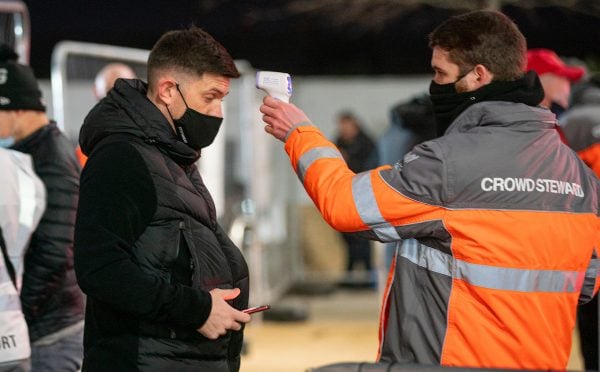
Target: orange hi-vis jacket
(505, 225)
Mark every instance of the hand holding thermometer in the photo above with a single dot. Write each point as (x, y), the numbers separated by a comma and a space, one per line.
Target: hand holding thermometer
(256, 309)
(276, 84)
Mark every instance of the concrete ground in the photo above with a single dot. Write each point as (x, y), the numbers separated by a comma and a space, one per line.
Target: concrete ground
(341, 327)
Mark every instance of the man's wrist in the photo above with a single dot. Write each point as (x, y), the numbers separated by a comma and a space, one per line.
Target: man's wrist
(202, 307)
(296, 126)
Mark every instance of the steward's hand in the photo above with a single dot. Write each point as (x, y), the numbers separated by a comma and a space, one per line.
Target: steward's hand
(281, 117)
(222, 316)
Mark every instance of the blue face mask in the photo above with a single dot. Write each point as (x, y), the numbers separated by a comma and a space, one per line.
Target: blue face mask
(7, 142)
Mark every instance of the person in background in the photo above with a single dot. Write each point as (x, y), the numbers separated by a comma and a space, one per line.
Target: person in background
(52, 302)
(103, 82)
(581, 126)
(107, 76)
(358, 150)
(504, 241)
(165, 284)
(22, 202)
(411, 122)
(556, 77)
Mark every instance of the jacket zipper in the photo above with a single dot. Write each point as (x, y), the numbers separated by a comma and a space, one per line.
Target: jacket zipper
(181, 229)
(173, 334)
(192, 257)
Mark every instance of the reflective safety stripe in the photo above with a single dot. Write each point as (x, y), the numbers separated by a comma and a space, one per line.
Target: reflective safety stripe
(492, 277)
(368, 210)
(313, 155)
(519, 279)
(426, 257)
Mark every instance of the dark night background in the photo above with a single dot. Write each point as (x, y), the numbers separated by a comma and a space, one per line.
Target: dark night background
(308, 37)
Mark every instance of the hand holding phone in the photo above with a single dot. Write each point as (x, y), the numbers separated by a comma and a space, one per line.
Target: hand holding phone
(256, 309)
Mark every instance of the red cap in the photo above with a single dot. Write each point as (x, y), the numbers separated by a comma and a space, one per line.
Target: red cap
(544, 61)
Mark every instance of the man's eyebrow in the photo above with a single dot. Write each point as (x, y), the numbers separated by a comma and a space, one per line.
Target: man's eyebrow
(216, 91)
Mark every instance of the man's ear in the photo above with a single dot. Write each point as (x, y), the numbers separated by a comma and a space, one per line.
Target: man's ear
(165, 90)
(483, 76)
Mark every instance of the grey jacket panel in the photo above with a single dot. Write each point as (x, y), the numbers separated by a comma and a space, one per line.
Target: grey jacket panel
(417, 309)
(430, 233)
(589, 283)
(533, 173)
(516, 164)
(421, 175)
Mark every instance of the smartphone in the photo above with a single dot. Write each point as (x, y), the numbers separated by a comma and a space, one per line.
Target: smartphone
(256, 309)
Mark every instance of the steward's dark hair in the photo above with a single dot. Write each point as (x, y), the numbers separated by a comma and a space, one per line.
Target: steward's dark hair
(483, 37)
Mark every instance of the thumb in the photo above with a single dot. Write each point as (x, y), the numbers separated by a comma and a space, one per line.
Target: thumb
(229, 294)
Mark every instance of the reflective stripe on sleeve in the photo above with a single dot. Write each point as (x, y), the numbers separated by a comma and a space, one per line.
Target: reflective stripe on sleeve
(309, 157)
(368, 210)
(492, 277)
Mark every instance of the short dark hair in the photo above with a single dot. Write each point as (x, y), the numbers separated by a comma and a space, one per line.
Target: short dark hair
(347, 115)
(483, 37)
(191, 50)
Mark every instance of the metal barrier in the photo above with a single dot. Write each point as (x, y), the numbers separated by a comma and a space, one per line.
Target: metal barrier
(58, 71)
(17, 21)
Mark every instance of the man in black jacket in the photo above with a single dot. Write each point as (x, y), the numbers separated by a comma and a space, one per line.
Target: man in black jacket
(52, 302)
(165, 284)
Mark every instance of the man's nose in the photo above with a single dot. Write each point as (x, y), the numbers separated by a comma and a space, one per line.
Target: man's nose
(216, 109)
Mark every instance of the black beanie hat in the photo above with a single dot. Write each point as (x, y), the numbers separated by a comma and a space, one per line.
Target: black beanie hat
(19, 89)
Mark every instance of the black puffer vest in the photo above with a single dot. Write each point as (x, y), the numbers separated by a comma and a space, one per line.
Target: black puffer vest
(184, 219)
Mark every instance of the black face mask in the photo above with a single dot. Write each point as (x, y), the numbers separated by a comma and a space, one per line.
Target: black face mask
(448, 103)
(194, 128)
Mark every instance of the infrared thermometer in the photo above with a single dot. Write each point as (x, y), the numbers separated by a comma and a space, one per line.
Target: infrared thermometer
(276, 84)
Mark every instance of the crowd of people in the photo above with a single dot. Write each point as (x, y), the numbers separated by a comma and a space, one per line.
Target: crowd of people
(485, 191)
